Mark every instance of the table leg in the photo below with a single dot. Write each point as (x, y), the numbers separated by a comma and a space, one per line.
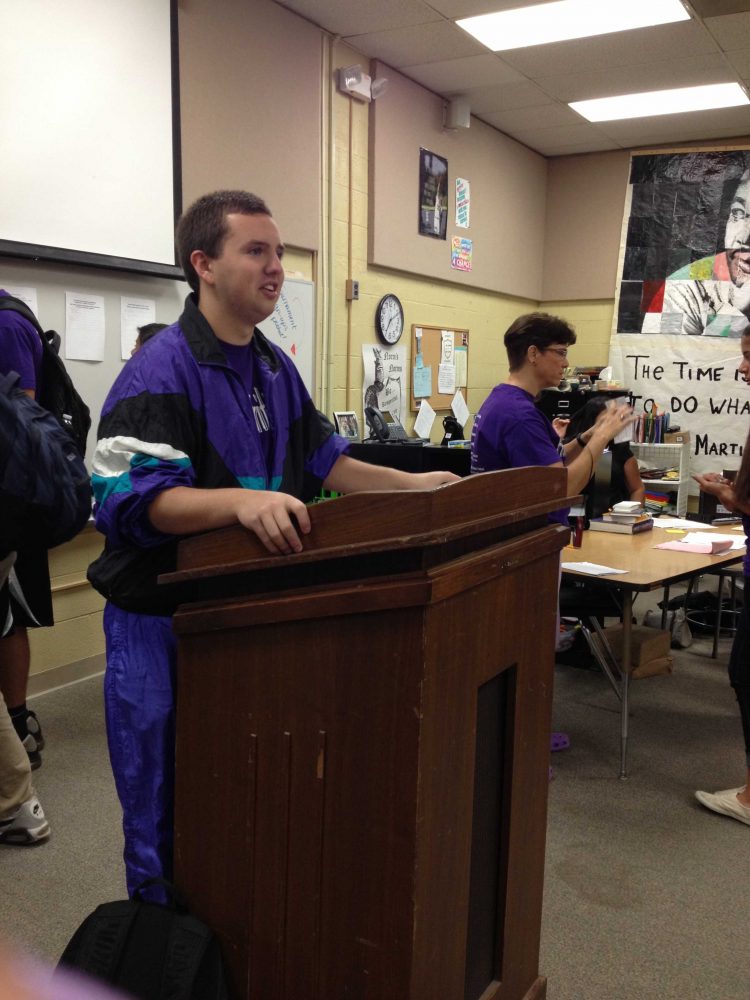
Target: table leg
(627, 627)
(664, 607)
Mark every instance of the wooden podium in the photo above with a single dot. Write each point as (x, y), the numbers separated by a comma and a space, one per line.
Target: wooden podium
(363, 744)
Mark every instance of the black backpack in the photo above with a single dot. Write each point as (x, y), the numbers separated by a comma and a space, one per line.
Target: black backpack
(149, 950)
(45, 491)
(57, 393)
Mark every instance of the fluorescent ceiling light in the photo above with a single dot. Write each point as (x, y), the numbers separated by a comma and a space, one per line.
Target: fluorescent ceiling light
(661, 102)
(556, 22)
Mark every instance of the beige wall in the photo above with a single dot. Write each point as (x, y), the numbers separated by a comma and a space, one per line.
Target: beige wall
(585, 202)
(250, 98)
(508, 194)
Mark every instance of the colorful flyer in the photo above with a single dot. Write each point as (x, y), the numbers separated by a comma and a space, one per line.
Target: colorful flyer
(461, 251)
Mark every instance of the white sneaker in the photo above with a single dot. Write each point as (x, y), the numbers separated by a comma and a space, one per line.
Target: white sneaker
(725, 803)
(27, 825)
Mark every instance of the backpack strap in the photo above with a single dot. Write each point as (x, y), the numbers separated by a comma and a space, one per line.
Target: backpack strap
(16, 305)
(9, 382)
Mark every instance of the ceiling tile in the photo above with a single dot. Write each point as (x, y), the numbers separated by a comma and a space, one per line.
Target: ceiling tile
(558, 142)
(544, 116)
(695, 126)
(706, 8)
(419, 44)
(547, 147)
(653, 76)
(731, 32)
(622, 48)
(458, 75)
(570, 133)
(470, 8)
(342, 17)
(505, 98)
(740, 59)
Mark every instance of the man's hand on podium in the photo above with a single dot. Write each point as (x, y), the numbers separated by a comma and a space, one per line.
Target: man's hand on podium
(269, 516)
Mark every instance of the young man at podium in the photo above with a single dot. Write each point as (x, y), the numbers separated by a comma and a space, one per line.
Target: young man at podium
(207, 426)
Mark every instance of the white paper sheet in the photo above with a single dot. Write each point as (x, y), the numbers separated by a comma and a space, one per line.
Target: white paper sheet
(446, 378)
(678, 522)
(425, 419)
(133, 313)
(84, 327)
(25, 294)
(592, 569)
(460, 409)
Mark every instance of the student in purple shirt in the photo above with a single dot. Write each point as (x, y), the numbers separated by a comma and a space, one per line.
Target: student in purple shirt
(735, 496)
(510, 432)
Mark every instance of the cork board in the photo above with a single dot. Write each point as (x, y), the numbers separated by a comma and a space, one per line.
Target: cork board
(432, 344)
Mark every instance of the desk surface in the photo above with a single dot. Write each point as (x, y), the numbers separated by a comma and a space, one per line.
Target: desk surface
(647, 567)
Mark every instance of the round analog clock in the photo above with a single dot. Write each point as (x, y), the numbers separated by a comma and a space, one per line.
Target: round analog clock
(389, 319)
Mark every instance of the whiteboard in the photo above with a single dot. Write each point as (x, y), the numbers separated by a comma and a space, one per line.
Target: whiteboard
(291, 326)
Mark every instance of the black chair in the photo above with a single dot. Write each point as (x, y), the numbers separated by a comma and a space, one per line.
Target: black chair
(591, 602)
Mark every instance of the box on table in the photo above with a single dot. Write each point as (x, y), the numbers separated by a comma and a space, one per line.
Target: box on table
(676, 437)
(649, 649)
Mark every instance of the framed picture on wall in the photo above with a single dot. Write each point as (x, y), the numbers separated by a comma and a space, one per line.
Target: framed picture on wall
(347, 424)
(433, 194)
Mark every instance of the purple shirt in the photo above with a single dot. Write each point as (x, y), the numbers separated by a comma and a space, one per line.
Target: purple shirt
(510, 432)
(20, 348)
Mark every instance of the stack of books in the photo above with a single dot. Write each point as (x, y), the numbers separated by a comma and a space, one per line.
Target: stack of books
(627, 518)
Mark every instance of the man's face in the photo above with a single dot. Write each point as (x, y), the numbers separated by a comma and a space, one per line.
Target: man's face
(248, 274)
(737, 236)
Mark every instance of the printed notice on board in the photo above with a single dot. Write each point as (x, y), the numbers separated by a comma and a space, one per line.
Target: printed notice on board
(84, 327)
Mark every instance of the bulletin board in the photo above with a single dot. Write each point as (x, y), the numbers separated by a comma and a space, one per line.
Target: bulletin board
(431, 341)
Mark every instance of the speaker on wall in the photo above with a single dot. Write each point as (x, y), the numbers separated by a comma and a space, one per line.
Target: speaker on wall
(458, 113)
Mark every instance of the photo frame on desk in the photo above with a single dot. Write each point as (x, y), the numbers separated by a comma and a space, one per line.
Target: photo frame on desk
(427, 344)
(347, 424)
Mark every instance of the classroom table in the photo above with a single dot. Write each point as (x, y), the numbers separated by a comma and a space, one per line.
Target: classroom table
(648, 568)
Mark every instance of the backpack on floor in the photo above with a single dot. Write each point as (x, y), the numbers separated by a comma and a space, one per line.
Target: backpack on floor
(45, 490)
(57, 393)
(150, 951)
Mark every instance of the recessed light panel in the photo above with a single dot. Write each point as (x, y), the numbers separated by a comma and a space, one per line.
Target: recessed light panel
(556, 22)
(661, 102)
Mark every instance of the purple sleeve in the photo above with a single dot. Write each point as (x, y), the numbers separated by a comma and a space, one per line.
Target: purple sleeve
(20, 349)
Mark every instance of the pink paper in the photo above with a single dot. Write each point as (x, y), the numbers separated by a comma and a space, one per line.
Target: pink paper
(697, 548)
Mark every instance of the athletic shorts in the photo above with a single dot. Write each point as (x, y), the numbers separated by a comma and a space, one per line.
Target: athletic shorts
(26, 597)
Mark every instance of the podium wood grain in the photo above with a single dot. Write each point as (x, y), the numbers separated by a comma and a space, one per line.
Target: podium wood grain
(362, 760)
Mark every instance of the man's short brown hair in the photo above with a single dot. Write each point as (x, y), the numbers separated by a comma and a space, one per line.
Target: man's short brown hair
(535, 329)
(204, 226)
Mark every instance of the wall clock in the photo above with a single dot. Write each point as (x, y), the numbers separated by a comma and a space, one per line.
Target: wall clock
(389, 319)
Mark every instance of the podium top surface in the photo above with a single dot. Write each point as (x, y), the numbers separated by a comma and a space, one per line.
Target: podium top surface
(369, 522)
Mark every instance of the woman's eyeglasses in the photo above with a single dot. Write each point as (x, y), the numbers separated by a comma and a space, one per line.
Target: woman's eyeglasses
(561, 352)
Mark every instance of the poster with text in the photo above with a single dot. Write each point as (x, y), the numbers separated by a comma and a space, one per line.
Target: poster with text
(384, 379)
(683, 296)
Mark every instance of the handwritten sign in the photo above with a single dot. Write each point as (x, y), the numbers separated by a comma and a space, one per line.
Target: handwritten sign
(696, 381)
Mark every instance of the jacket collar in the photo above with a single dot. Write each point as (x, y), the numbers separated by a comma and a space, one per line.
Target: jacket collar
(206, 346)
